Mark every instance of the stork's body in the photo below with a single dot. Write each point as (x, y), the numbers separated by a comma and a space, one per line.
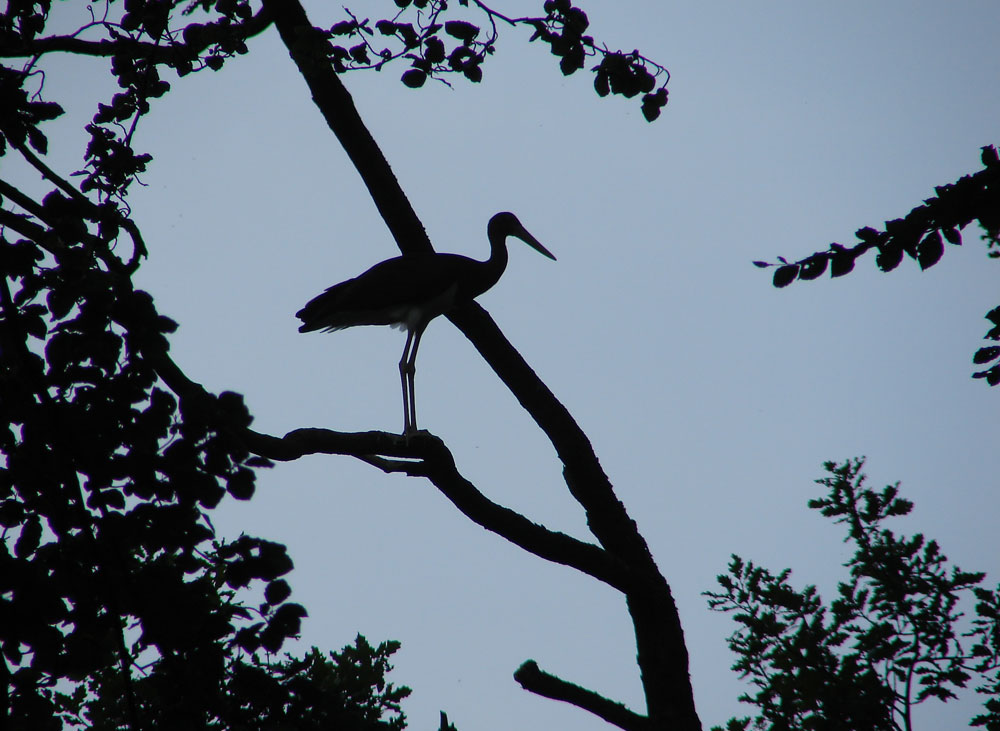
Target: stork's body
(409, 291)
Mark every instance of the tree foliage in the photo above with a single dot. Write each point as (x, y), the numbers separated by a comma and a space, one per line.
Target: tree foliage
(436, 47)
(921, 235)
(119, 608)
(891, 639)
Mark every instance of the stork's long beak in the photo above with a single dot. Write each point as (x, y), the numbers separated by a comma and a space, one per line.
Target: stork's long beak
(533, 242)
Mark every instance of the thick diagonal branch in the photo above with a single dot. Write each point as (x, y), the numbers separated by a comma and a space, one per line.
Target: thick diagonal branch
(307, 48)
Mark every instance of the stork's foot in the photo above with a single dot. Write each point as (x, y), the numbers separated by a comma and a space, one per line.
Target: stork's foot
(410, 432)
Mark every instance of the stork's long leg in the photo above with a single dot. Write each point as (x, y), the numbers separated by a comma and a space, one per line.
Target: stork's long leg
(411, 371)
(404, 365)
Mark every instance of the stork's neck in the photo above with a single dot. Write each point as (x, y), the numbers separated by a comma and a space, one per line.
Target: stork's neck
(497, 262)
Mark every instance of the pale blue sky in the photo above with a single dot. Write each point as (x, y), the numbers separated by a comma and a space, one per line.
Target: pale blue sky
(711, 398)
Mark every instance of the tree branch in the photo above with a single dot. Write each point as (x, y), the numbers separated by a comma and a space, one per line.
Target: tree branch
(308, 50)
(537, 681)
(918, 234)
(209, 33)
(51, 239)
(96, 212)
(431, 459)
(28, 229)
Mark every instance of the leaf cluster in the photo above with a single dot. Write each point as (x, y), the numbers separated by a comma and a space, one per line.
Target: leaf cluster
(108, 558)
(118, 607)
(617, 72)
(437, 47)
(888, 642)
(19, 115)
(418, 32)
(342, 690)
(921, 235)
(142, 38)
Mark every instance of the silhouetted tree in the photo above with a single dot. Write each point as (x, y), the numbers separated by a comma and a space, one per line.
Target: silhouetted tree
(890, 640)
(119, 608)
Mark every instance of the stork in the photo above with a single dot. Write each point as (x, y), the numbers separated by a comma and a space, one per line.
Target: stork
(409, 291)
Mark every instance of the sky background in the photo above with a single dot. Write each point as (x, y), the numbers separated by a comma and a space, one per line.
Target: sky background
(711, 398)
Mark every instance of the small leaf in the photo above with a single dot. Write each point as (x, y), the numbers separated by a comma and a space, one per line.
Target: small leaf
(868, 235)
(652, 104)
(990, 156)
(37, 140)
(343, 28)
(241, 484)
(360, 53)
(785, 275)
(814, 266)
(414, 78)
(761, 264)
(576, 21)
(953, 235)
(992, 375)
(459, 57)
(158, 89)
(646, 81)
(60, 302)
(273, 562)
(650, 111)
(277, 591)
(930, 250)
(888, 257)
(248, 637)
(461, 30)
(985, 355)
(410, 37)
(909, 241)
(601, 84)
(31, 535)
(434, 50)
(572, 60)
(473, 72)
(43, 111)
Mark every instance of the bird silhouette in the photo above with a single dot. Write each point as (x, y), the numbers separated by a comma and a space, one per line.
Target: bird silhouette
(409, 291)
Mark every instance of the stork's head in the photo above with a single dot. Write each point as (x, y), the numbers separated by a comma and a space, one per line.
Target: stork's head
(506, 224)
